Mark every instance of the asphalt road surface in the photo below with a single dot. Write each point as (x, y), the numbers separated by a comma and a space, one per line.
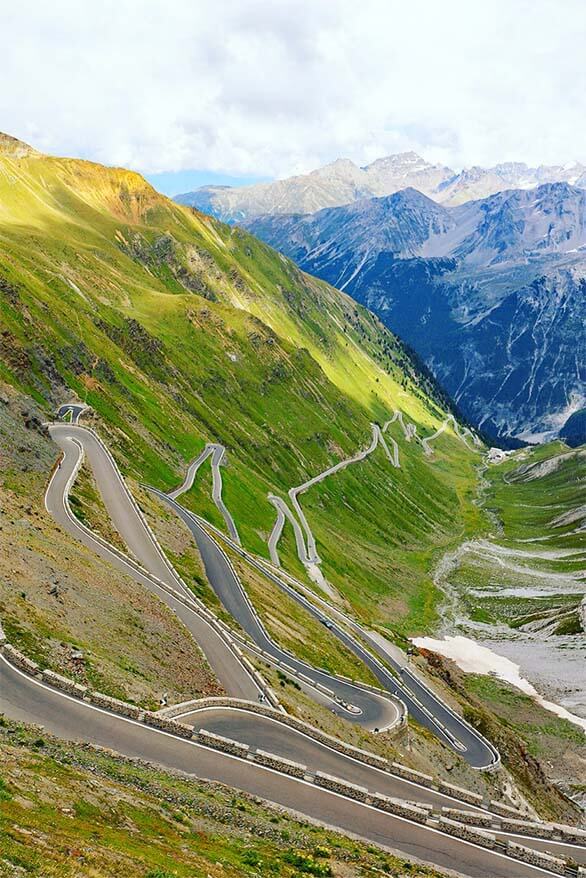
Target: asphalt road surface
(23, 698)
(423, 704)
(218, 454)
(74, 441)
(376, 711)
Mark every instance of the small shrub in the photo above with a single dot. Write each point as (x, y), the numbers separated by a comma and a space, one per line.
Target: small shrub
(251, 858)
(306, 864)
(324, 852)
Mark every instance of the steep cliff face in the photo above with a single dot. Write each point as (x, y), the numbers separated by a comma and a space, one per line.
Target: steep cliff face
(573, 432)
(517, 371)
(491, 294)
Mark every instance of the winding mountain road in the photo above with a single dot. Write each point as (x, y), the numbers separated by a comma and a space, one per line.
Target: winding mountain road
(73, 409)
(422, 703)
(374, 711)
(305, 544)
(461, 434)
(311, 554)
(153, 570)
(30, 699)
(218, 455)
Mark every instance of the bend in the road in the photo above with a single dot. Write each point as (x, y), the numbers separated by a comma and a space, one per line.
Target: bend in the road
(27, 699)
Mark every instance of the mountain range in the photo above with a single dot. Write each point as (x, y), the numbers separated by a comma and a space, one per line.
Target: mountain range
(490, 293)
(342, 182)
(179, 330)
(173, 336)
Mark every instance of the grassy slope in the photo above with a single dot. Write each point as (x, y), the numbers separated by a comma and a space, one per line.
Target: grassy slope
(543, 755)
(133, 646)
(406, 517)
(549, 739)
(178, 330)
(69, 810)
(526, 509)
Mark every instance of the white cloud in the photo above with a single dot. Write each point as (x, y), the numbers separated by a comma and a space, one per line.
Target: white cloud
(271, 88)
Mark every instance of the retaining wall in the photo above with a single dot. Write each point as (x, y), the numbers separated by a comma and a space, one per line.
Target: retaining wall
(167, 725)
(468, 833)
(504, 810)
(218, 742)
(571, 833)
(284, 766)
(459, 793)
(64, 684)
(19, 660)
(164, 720)
(425, 780)
(402, 809)
(521, 827)
(470, 817)
(536, 858)
(337, 785)
(116, 706)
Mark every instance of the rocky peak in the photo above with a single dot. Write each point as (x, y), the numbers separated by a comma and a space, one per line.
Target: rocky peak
(14, 148)
(569, 172)
(402, 162)
(399, 158)
(512, 172)
(340, 168)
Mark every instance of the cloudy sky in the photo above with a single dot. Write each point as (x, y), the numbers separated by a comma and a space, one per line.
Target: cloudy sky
(265, 88)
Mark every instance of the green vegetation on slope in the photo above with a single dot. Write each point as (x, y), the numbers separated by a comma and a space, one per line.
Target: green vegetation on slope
(65, 607)
(395, 521)
(69, 810)
(542, 753)
(529, 574)
(178, 330)
(529, 737)
(531, 491)
(543, 732)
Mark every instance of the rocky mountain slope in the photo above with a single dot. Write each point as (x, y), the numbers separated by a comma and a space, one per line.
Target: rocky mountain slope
(477, 182)
(343, 182)
(178, 330)
(340, 182)
(490, 293)
(573, 432)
